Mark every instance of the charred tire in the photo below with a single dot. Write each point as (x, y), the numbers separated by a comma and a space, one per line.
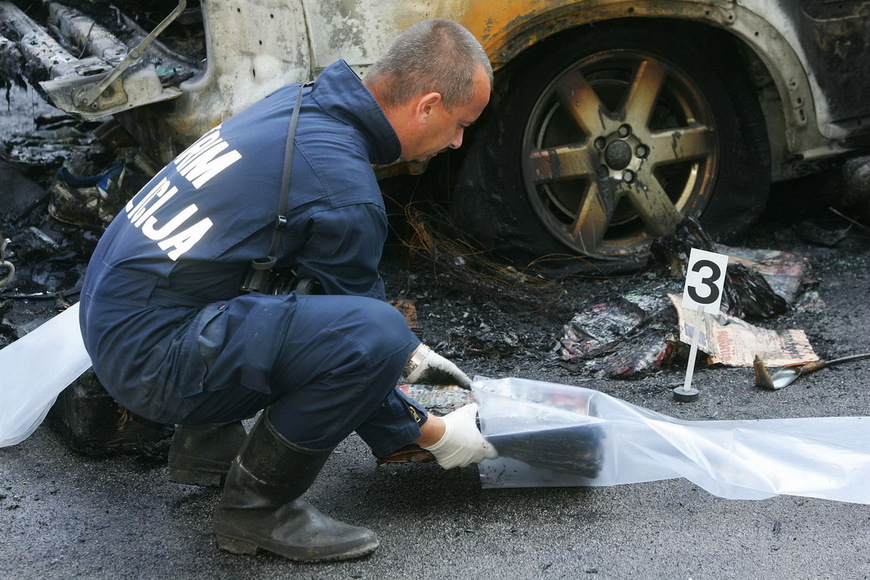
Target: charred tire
(607, 141)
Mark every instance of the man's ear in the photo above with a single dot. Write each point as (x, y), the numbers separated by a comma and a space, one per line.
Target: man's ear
(426, 103)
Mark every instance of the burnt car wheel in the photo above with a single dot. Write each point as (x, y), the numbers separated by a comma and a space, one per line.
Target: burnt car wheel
(609, 142)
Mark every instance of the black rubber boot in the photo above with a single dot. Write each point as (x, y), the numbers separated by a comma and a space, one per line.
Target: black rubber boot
(261, 506)
(202, 454)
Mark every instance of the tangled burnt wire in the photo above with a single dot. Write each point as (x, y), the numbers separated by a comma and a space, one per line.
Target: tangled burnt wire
(435, 239)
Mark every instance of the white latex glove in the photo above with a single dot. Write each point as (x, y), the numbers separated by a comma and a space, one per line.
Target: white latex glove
(462, 443)
(427, 366)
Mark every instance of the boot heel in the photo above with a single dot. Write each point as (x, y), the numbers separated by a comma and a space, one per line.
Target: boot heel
(235, 546)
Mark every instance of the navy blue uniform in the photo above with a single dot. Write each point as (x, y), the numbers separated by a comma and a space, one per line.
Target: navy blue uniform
(171, 336)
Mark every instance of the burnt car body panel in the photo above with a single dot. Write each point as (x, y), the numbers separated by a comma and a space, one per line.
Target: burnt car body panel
(815, 52)
(837, 37)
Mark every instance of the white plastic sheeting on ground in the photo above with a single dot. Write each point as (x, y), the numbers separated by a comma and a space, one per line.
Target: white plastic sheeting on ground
(35, 369)
(559, 435)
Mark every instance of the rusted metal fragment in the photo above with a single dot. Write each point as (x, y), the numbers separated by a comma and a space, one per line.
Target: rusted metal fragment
(409, 311)
(762, 375)
(407, 454)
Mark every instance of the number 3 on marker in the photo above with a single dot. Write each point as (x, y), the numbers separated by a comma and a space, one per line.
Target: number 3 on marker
(708, 281)
(705, 278)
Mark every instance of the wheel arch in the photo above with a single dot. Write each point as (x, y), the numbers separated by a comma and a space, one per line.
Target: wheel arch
(787, 93)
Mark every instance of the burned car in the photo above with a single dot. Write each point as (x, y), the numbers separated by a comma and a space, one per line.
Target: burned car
(611, 121)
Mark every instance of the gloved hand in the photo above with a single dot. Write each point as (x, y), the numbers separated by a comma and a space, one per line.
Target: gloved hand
(427, 366)
(462, 443)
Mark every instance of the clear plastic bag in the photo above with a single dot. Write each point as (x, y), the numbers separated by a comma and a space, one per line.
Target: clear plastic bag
(558, 435)
(35, 369)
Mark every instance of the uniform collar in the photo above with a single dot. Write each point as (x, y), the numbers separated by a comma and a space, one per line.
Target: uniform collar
(341, 94)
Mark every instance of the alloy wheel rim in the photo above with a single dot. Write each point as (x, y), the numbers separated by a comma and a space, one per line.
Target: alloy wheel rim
(618, 148)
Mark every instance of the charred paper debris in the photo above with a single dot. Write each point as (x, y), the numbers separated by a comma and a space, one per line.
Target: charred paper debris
(622, 337)
(645, 329)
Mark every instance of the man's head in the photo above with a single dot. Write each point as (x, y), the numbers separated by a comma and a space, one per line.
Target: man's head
(432, 83)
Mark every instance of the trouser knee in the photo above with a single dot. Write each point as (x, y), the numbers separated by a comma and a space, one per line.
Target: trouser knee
(340, 372)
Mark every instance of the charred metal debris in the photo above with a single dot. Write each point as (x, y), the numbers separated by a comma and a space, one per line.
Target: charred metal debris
(90, 41)
(60, 185)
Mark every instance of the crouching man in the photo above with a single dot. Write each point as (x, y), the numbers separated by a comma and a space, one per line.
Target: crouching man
(176, 336)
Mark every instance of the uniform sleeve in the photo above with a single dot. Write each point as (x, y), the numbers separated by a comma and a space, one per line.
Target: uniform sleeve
(343, 249)
(395, 425)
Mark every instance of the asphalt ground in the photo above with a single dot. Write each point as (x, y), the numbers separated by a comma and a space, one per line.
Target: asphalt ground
(67, 515)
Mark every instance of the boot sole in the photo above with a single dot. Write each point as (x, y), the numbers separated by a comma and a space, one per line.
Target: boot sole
(249, 548)
(196, 477)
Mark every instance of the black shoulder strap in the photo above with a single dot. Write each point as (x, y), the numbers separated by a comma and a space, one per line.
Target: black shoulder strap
(281, 222)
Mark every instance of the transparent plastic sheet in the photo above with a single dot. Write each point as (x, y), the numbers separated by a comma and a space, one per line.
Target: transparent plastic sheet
(557, 435)
(35, 369)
